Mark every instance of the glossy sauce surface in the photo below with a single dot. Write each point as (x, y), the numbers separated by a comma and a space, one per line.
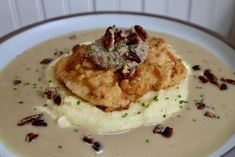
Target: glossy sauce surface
(194, 134)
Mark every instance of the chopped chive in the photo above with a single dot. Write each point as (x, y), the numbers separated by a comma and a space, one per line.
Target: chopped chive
(78, 103)
(159, 66)
(155, 98)
(76, 130)
(138, 112)
(59, 146)
(20, 102)
(164, 116)
(49, 81)
(179, 96)
(124, 115)
(182, 101)
(147, 140)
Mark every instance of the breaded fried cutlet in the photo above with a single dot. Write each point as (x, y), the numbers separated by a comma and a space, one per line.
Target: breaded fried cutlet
(108, 89)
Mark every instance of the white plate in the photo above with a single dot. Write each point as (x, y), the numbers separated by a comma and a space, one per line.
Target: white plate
(23, 39)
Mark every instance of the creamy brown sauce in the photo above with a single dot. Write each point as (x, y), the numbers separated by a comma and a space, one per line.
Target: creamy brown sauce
(194, 134)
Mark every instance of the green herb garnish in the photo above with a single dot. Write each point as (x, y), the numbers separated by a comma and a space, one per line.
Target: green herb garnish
(124, 115)
(78, 103)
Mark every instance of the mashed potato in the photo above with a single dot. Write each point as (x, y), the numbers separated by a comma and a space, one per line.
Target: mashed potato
(152, 108)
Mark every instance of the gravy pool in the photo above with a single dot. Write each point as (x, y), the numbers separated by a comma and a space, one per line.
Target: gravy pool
(194, 134)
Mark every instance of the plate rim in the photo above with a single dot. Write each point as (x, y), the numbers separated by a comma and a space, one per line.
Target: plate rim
(203, 29)
(188, 23)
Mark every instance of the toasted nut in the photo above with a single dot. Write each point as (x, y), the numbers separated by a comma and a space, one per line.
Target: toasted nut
(88, 139)
(167, 132)
(30, 137)
(46, 61)
(108, 40)
(158, 129)
(141, 32)
(133, 57)
(200, 105)
(118, 36)
(51, 92)
(29, 119)
(58, 100)
(210, 114)
(132, 39)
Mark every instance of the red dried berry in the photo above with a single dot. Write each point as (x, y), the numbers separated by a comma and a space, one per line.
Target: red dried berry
(51, 92)
(39, 122)
(210, 114)
(229, 81)
(88, 139)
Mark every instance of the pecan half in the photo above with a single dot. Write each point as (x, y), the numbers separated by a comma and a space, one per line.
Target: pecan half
(46, 61)
(200, 105)
(51, 92)
(167, 132)
(210, 114)
(132, 39)
(141, 32)
(58, 100)
(158, 129)
(108, 38)
(16, 82)
(118, 36)
(29, 119)
(39, 122)
(88, 139)
(229, 81)
(133, 57)
(30, 137)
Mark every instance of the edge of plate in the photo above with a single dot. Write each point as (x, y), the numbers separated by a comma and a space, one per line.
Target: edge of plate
(201, 28)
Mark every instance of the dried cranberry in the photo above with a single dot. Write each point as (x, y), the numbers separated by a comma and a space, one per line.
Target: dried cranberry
(196, 67)
(200, 105)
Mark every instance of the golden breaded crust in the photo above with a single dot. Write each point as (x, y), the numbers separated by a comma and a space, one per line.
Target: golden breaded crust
(107, 89)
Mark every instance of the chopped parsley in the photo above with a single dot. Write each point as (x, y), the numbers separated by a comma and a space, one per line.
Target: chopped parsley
(159, 66)
(20, 102)
(59, 146)
(147, 141)
(76, 130)
(164, 116)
